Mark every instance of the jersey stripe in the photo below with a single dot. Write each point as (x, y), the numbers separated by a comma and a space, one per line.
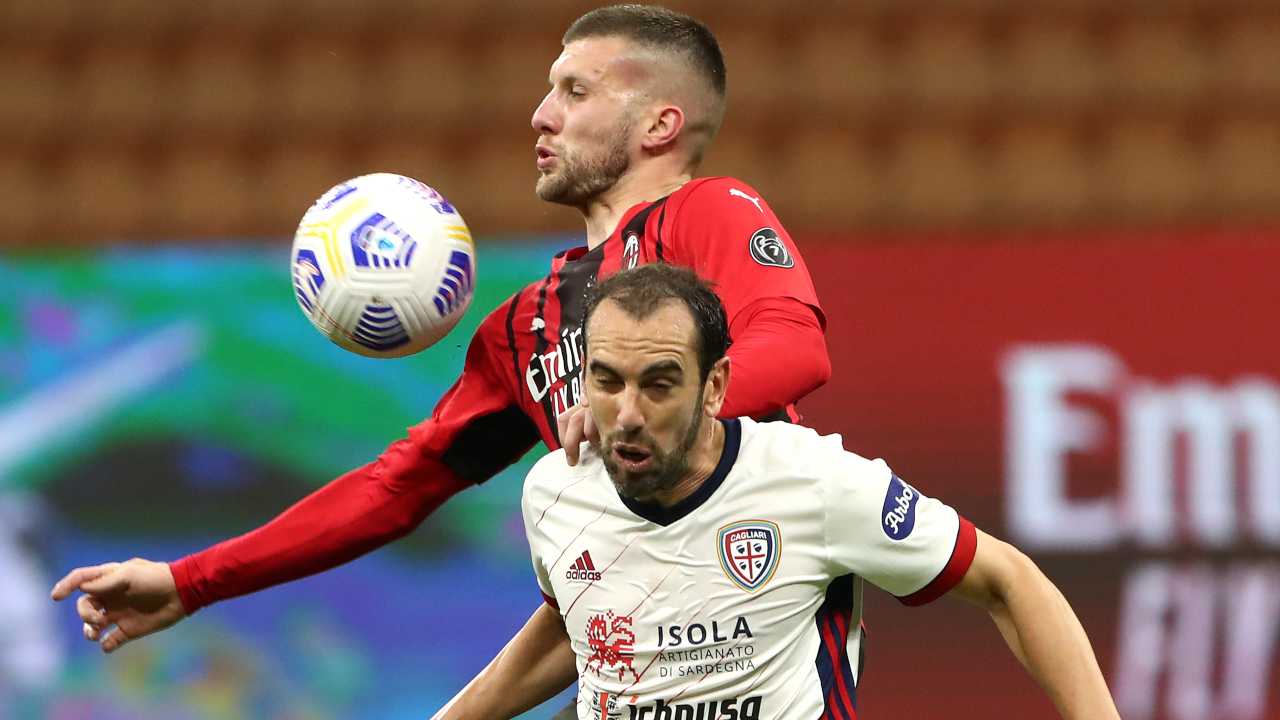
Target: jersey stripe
(834, 671)
(511, 341)
(662, 216)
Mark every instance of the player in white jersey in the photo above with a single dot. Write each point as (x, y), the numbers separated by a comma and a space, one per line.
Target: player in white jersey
(699, 569)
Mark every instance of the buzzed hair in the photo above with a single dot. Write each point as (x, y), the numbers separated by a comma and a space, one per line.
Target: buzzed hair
(658, 28)
(641, 291)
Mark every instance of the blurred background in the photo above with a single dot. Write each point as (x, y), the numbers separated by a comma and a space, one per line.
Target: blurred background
(1045, 234)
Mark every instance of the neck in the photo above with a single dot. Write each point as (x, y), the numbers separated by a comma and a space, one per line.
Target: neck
(702, 463)
(603, 213)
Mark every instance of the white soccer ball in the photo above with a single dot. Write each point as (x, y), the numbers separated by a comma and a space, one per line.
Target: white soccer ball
(383, 265)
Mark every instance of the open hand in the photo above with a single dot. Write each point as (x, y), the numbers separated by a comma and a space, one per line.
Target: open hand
(137, 597)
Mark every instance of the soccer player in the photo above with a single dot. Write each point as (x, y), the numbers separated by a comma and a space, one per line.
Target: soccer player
(695, 568)
(636, 96)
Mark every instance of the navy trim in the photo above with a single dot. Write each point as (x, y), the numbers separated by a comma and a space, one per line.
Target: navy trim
(664, 516)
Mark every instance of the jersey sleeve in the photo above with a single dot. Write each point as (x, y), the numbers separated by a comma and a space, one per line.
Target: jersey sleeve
(726, 232)
(478, 428)
(883, 529)
(473, 433)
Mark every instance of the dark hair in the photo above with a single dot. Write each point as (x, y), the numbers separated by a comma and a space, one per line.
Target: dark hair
(641, 291)
(660, 28)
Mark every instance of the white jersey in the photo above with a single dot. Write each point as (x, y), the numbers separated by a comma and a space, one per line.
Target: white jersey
(743, 601)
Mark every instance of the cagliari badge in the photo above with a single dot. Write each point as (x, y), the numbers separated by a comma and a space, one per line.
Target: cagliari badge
(749, 552)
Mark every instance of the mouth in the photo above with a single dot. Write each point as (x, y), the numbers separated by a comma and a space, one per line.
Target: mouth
(546, 158)
(632, 458)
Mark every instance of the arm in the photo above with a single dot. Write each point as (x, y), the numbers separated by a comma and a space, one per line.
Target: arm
(533, 667)
(730, 236)
(1039, 626)
(473, 433)
(778, 355)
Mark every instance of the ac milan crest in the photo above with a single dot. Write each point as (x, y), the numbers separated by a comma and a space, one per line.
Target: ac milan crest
(631, 251)
(749, 552)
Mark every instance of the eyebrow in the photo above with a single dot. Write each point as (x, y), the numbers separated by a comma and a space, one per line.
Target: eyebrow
(662, 366)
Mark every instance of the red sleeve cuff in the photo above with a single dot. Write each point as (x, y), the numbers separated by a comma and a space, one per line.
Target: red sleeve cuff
(953, 573)
(550, 601)
(182, 580)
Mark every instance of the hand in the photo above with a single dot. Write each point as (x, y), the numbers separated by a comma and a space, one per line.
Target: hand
(138, 597)
(576, 425)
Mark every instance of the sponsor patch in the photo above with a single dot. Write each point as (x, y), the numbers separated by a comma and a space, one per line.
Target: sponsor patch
(769, 250)
(749, 552)
(898, 517)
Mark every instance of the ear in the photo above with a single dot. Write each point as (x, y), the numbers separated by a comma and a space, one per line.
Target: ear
(717, 386)
(664, 127)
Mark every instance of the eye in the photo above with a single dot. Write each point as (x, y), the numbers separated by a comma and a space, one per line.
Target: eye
(660, 387)
(608, 383)
(577, 92)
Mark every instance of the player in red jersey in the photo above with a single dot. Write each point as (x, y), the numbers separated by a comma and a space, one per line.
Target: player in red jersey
(635, 97)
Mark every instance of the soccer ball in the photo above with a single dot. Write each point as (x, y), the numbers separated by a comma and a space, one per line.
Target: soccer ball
(383, 265)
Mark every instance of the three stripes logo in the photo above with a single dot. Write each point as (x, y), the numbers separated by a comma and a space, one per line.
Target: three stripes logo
(583, 569)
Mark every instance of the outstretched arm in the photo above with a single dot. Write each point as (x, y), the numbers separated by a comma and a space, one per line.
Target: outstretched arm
(532, 668)
(1039, 626)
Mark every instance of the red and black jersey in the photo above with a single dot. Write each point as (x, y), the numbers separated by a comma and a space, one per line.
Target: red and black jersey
(524, 367)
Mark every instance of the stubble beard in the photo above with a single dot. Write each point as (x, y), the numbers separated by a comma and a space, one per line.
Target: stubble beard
(579, 180)
(667, 469)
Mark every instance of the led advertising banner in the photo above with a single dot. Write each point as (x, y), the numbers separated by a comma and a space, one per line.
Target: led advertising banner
(1111, 405)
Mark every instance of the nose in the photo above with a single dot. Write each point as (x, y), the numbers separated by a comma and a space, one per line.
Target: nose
(545, 117)
(630, 414)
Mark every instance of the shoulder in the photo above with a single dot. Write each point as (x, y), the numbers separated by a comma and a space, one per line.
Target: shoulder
(805, 451)
(718, 191)
(552, 473)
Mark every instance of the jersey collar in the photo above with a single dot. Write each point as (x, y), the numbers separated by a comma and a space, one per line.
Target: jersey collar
(664, 516)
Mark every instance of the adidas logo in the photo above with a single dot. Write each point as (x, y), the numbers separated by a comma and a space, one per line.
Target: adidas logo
(583, 569)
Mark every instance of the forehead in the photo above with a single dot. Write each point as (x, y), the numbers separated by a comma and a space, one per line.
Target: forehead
(613, 335)
(605, 57)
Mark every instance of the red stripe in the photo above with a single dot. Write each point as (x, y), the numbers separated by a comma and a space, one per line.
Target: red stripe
(586, 556)
(961, 558)
(550, 601)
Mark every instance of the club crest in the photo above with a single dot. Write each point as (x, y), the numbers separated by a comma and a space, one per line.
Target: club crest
(749, 552)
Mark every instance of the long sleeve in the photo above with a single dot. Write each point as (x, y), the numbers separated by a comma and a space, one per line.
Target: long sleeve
(779, 354)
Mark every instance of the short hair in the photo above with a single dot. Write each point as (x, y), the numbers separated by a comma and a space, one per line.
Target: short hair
(661, 29)
(641, 291)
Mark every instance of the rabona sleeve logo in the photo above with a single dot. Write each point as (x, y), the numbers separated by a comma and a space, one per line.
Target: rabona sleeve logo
(898, 517)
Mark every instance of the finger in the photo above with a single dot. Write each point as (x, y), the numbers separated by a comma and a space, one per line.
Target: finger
(90, 611)
(114, 581)
(94, 633)
(562, 422)
(74, 579)
(589, 429)
(573, 438)
(114, 639)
